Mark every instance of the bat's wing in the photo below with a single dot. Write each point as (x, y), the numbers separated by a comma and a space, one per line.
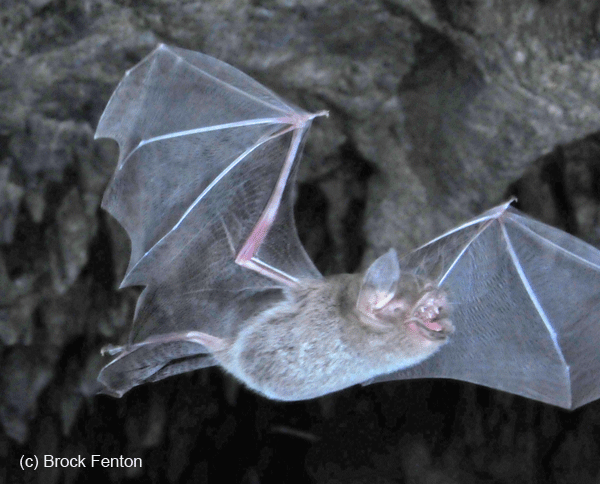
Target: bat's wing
(525, 305)
(202, 149)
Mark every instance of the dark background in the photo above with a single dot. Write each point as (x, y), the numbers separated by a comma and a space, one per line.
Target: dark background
(438, 110)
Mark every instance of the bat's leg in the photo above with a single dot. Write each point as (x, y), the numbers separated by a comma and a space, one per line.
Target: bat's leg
(212, 343)
(246, 255)
(158, 357)
(183, 366)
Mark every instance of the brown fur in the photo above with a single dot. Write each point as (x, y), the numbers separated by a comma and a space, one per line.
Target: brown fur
(315, 341)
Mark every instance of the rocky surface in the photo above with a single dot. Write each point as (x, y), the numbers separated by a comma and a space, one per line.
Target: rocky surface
(438, 109)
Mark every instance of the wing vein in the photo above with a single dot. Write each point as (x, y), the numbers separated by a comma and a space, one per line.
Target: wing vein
(467, 245)
(206, 129)
(557, 247)
(216, 127)
(494, 214)
(217, 179)
(531, 292)
(232, 87)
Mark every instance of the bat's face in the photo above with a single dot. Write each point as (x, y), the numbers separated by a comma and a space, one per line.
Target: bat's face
(417, 313)
(429, 316)
(408, 316)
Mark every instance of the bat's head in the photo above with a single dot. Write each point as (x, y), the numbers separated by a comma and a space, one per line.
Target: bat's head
(411, 313)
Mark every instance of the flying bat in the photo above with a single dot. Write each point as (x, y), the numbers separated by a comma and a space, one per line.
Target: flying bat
(204, 187)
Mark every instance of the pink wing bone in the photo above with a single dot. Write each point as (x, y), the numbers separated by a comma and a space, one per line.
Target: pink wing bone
(246, 256)
(299, 124)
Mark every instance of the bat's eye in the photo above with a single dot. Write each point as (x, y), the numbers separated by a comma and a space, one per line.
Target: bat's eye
(395, 307)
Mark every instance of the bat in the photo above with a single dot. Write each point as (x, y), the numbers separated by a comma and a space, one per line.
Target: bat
(204, 187)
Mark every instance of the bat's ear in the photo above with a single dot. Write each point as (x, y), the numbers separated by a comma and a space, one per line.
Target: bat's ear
(379, 284)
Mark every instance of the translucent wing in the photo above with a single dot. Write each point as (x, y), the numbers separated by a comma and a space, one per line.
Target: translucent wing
(202, 148)
(525, 305)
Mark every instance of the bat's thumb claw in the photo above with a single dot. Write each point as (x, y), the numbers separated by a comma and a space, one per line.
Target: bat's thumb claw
(111, 350)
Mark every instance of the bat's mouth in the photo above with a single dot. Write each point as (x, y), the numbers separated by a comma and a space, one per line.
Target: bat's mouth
(433, 329)
(430, 318)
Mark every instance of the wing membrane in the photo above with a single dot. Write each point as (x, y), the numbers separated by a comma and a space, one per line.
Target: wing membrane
(201, 146)
(525, 303)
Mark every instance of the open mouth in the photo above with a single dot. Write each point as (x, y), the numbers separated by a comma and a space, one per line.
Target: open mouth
(434, 330)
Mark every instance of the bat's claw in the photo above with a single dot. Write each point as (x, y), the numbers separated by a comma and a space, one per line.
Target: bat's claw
(111, 350)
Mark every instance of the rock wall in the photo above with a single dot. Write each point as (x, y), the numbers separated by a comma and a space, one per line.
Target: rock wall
(438, 109)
